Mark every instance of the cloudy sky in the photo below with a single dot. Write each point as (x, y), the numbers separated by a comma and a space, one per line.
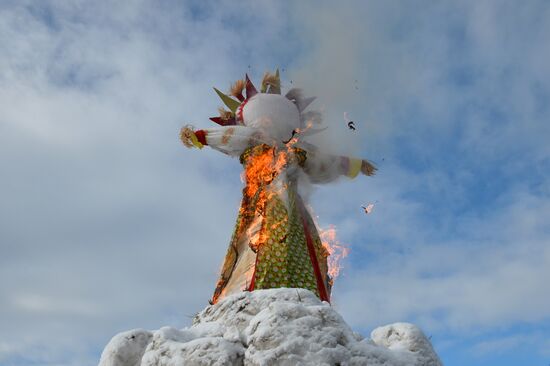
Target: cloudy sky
(108, 223)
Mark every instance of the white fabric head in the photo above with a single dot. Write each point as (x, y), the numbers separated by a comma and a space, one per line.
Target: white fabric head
(274, 114)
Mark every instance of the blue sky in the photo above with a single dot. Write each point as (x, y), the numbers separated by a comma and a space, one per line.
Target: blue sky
(107, 223)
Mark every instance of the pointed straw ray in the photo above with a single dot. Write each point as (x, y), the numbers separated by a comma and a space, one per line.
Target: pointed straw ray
(225, 114)
(231, 103)
(267, 75)
(224, 122)
(250, 88)
(237, 89)
(276, 89)
(272, 81)
(226, 118)
(303, 104)
(296, 95)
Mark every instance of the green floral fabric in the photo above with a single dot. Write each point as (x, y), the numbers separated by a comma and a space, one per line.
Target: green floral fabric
(283, 258)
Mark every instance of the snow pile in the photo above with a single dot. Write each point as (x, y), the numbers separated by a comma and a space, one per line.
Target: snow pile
(270, 327)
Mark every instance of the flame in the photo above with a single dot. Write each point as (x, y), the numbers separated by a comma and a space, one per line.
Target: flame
(337, 251)
(260, 171)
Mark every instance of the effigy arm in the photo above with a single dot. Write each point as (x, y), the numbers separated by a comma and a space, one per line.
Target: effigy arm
(230, 140)
(324, 168)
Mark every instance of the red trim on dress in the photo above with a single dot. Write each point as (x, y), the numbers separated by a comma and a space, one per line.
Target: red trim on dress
(313, 256)
(253, 280)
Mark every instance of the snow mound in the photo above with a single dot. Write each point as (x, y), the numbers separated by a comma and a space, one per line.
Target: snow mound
(270, 327)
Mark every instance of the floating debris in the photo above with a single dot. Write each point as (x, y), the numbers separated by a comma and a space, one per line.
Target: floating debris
(294, 132)
(368, 208)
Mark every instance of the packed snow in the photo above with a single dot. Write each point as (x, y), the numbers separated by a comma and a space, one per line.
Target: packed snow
(270, 327)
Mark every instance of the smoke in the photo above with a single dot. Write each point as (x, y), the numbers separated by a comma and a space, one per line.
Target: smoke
(334, 72)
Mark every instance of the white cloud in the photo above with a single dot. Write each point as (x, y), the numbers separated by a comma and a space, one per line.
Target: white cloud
(104, 213)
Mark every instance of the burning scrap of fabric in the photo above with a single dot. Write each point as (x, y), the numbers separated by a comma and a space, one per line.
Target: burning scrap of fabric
(294, 132)
(368, 208)
(351, 124)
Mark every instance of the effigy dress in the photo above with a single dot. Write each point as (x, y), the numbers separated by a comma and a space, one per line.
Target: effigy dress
(275, 242)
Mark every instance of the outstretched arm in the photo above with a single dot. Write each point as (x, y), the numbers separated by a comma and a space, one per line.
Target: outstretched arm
(231, 140)
(324, 168)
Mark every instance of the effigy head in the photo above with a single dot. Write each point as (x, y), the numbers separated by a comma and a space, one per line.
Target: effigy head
(274, 114)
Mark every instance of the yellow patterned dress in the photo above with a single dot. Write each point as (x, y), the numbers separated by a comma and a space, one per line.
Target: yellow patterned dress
(275, 242)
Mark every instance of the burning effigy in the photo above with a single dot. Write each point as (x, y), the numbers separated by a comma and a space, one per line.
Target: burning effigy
(275, 242)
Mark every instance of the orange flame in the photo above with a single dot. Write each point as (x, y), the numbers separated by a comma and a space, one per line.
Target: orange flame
(337, 251)
(260, 170)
